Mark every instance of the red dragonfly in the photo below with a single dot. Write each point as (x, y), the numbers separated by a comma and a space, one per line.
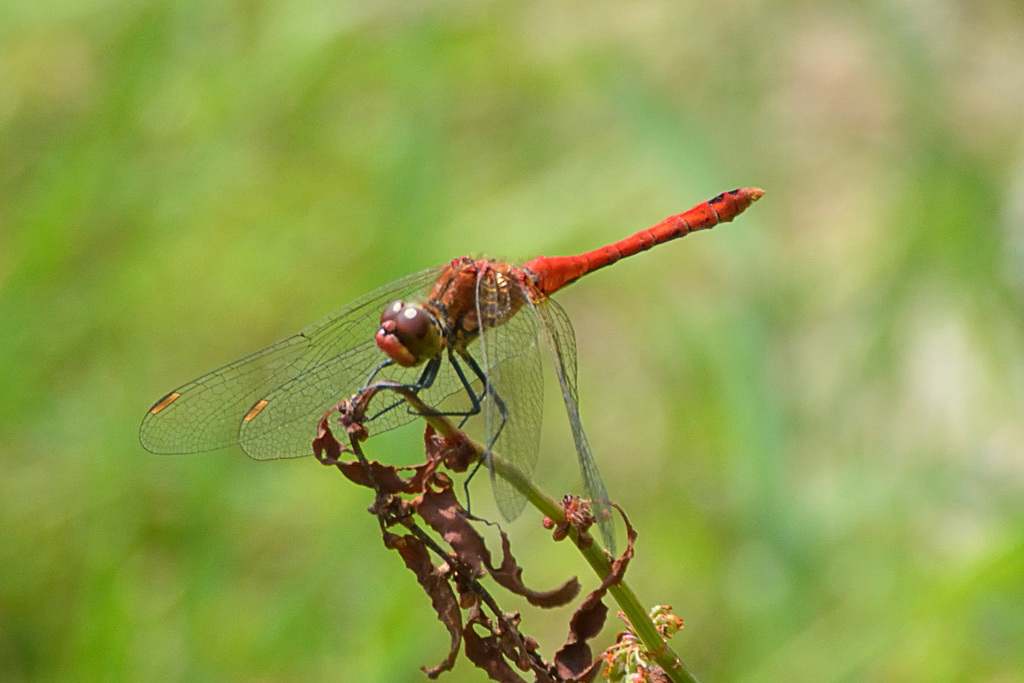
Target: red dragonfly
(269, 402)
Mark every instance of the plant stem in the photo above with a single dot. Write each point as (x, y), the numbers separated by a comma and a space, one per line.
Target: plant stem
(593, 553)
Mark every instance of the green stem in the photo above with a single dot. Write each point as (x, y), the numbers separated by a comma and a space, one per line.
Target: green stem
(596, 556)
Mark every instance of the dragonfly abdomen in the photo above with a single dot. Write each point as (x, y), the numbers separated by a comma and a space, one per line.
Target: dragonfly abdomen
(552, 273)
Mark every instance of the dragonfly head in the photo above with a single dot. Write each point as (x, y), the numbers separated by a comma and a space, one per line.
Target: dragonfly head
(409, 334)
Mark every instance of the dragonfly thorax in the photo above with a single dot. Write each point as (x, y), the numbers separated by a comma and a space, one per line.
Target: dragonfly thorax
(409, 334)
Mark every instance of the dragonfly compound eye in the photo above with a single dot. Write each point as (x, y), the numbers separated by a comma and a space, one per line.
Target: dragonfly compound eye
(408, 334)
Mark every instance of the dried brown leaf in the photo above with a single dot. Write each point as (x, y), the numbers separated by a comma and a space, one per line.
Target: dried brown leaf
(443, 513)
(509, 575)
(326, 448)
(456, 451)
(655, 674)
(486, 653)
(436, 585)
(575, 659)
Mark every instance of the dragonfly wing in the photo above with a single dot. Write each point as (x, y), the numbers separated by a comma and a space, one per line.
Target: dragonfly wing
(511, 361)
(209, 413)
(561, 339)
(286, 424)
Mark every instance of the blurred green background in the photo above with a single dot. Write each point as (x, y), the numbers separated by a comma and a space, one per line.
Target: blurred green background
(814, 415)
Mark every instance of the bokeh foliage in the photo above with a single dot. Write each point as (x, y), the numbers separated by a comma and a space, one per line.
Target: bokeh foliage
(814, 416)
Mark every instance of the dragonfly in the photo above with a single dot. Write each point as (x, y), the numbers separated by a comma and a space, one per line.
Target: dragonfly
(477, 328)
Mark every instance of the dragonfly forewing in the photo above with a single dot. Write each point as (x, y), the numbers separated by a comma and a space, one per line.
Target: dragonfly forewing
(209, 413)
(286, 423)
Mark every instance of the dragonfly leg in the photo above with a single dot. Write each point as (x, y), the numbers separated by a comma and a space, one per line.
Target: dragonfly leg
(502, 410)
(376, 371)
(473, 397)
(426, 379)
(488, 389)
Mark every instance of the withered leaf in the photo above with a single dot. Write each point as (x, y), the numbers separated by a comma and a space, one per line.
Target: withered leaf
(442, 597)
(455, 451)
(509, 575)
(486, 653)
(326, 448)
(655, 674)
(443, 513)
(574, 659)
